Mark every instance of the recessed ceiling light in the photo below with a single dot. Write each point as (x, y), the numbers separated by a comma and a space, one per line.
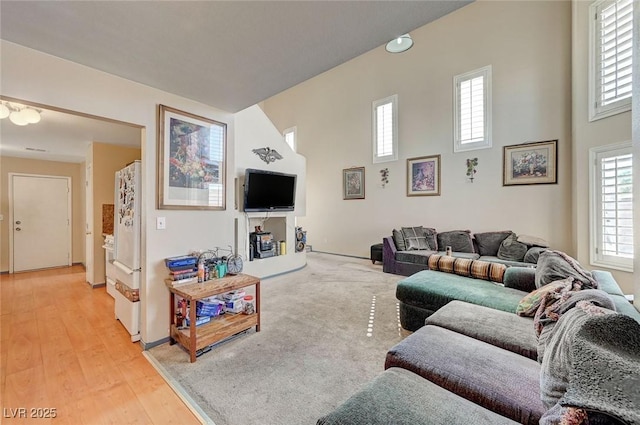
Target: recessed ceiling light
(400, 44)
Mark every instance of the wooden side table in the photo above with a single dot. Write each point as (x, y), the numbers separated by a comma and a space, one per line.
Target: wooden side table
(198, 337)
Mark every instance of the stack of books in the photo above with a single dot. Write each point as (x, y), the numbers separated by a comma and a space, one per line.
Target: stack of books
(182, 269)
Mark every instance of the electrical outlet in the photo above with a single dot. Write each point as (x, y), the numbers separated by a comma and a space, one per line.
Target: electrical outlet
(161, 223)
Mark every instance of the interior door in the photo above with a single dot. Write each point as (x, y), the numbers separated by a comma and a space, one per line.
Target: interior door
(88, 238)
(41, 221)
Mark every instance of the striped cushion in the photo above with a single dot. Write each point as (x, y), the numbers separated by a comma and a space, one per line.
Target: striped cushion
(466, 267)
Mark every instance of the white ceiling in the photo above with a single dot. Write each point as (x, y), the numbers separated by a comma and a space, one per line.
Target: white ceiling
(226, 54)
(61, 136)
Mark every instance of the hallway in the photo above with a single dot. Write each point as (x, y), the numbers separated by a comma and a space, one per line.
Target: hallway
(63, 354)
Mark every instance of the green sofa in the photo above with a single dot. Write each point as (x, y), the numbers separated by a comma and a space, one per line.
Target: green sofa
(423, 293)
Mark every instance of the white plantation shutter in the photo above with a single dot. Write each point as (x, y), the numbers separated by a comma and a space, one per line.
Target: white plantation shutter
(290, 137)
(613, 207)
(472, 115)
(385, 128)
(216, 158)
(472, 110)
(384, 131)
(612, 43)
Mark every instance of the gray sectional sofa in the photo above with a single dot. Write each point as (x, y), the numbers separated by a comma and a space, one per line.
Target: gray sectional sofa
(477, 364)
(403, 255)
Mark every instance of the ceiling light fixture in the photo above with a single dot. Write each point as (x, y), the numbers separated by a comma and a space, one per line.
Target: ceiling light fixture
(19, 114)
(400, 44)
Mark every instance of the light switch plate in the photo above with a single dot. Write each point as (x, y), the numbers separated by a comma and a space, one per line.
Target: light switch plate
(161, 223)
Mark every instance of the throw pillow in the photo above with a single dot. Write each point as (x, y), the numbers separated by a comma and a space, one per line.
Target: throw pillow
(512, 250)
(556, 265)
(398, 238)
(431, 234)
(533, 241)
(530, 303)
(414, 238)
(458, 240)
(489, 242)
(533, 254)
(467, 267)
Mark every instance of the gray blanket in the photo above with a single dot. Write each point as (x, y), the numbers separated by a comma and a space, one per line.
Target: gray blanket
(557, 304)
(591, 367)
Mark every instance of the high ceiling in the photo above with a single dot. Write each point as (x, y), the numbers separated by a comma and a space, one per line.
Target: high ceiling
(227, 54)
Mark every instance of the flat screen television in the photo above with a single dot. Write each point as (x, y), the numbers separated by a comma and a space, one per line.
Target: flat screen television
(269, 191)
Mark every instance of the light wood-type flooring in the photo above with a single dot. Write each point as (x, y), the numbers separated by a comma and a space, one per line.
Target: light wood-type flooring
(61, 348)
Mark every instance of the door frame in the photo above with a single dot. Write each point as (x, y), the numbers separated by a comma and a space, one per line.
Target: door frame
(11, 205)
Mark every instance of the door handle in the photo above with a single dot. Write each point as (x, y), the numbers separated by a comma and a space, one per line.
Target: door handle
(18, 229)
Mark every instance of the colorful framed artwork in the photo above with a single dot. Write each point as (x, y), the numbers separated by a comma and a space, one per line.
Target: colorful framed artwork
(423, 176)
(530, 163)
(353, 183)
(191, 161)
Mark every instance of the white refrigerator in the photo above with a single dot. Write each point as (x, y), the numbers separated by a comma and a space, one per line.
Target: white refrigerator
(126, 247)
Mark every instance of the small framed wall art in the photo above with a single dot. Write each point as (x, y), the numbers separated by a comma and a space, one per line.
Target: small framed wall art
(530, 163)
(191, 161)
(353, 183)
(423, 176)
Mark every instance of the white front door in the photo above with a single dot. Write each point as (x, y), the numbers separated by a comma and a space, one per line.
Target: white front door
(41, 221)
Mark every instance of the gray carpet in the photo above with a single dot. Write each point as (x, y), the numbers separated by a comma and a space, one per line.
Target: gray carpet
(314, 350)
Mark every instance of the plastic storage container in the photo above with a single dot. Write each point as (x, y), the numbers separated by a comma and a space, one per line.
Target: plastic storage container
(249, 306)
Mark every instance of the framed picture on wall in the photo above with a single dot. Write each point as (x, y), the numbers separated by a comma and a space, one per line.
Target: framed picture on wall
(191, 161)
(353, 183)
(423, 176)
(530, 163)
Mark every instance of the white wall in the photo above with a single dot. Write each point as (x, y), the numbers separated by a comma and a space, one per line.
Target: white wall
(587, 135)
(254, 131)
(37, 77)
(528, 45)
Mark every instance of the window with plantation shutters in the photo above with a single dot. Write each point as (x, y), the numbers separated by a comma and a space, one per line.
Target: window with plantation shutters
(472, 110)
(612, 206)
(385, 129)
(611, 57)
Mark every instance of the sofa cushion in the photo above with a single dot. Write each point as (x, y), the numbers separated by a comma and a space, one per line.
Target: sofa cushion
(398, 396)
(556, 265)
(431, 290)
(533, 241)
(489, 242)
(469, 368)
(432, 237)
(415, 257)
(398, 239)
(495, 327)
(505, 262)
(532, 254)
(458, 240)
(466, 267)
(521, 278)
(512, 250)
(414, 238)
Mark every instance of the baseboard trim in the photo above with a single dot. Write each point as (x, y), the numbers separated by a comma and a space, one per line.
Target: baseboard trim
(283, 273)
(150, 345)
(343, 255)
